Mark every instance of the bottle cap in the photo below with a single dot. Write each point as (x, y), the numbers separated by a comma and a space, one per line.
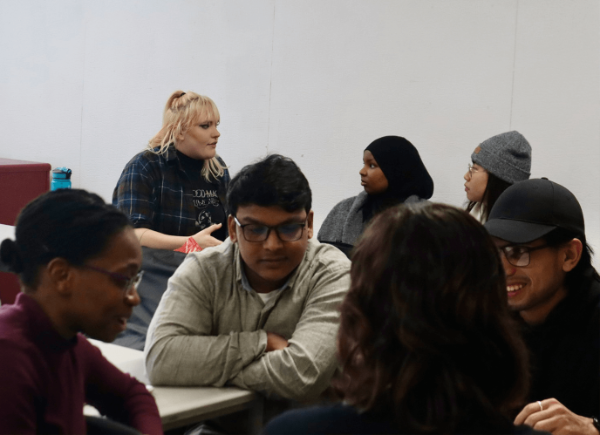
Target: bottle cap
(61, 173)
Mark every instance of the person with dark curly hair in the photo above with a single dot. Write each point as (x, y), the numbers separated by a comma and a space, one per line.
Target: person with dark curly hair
(78, 261)
(426, 341)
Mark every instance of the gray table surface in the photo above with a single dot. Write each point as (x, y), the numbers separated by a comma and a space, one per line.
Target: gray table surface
(181, 406)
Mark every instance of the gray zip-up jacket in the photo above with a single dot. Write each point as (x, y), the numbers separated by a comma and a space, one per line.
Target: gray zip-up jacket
(344, 223)
(210, 330)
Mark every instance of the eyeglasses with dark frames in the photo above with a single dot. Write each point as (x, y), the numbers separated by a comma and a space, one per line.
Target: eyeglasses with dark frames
(127, 283)
(256, 233)
(518, 255)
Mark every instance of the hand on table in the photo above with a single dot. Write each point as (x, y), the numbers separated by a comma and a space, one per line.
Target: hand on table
(275, 342)
(554, 417)
(204, 238)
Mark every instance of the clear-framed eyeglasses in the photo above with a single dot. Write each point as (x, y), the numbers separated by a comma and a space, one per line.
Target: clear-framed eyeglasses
(474, 170)
(256, 233)
(518, 255)
(127, 284)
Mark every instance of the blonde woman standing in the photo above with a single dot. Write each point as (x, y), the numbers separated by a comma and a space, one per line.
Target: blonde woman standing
(175, 188)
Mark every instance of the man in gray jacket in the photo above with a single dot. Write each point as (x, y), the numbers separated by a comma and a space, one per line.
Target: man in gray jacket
(260, 310)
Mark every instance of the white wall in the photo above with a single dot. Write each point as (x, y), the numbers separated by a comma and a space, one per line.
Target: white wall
(83, 84)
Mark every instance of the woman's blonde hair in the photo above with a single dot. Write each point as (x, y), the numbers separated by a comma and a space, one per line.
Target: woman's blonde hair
(182, 110)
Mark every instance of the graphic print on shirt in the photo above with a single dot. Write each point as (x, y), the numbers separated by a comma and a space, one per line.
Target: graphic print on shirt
(203, 200)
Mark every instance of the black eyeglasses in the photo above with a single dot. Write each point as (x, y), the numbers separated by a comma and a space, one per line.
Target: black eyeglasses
(518, 255)
(127, 284)
(260, 233)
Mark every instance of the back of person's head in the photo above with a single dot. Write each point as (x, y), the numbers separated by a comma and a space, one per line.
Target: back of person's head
(542, 209)
(402, 166)
(507, 159)
(182, 110)
(69, 223)
(425, 329)
(273, 181)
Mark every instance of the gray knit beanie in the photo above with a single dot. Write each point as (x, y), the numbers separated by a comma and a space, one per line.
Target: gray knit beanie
(507, 156)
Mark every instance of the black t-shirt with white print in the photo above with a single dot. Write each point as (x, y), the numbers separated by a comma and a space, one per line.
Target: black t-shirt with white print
(208, 198)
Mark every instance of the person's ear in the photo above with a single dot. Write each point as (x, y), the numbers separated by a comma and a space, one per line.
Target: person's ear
(231, 227)
(309, 224)
(61, 275)
(571, 253)
(181, 135)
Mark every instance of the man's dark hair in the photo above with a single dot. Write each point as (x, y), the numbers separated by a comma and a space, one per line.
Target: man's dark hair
(584, 270)
(273, 181)
(69, 223)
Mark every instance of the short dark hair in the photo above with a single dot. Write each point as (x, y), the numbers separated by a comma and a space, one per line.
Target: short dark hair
(69, 223)
(425, 329)
(273, 181)
(584, 270)
(494, 188)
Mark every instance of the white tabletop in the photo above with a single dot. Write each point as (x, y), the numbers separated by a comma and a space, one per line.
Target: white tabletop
(6, 232)
(180, 406)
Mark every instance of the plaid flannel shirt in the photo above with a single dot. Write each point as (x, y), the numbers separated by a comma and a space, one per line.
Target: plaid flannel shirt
(155, 192)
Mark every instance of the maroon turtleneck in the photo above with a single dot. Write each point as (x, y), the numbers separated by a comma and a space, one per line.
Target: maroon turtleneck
(45, 379)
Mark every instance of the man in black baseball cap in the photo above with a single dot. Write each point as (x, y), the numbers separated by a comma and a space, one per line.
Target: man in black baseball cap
(539, 229)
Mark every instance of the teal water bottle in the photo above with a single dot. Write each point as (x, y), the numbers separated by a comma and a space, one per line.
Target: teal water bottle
(61, 179)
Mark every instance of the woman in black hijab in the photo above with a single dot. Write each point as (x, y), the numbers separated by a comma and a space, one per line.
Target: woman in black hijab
(393, 173)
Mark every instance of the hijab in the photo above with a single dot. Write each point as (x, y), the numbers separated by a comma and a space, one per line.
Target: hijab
(404, 170)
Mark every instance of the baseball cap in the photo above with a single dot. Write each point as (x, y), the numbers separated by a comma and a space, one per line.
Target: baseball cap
(530, 209)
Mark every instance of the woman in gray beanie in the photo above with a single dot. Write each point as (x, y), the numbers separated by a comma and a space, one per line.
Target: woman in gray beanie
(498, 163)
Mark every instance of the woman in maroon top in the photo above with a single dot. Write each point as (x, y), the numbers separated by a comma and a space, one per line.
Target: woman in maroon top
(78, 261)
